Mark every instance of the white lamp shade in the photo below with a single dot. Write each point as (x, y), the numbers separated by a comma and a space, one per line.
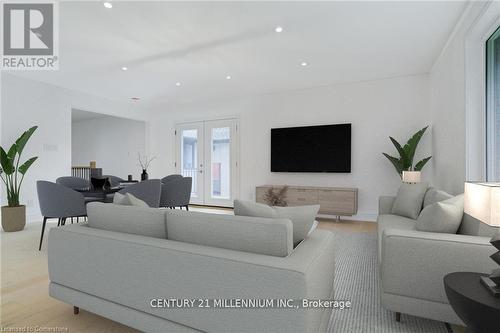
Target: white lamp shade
(482, 201)
(411, 176)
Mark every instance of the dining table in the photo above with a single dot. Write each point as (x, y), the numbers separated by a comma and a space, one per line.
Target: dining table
(99, 194)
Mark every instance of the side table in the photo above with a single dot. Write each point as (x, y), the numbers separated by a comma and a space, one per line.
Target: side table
(472, 302)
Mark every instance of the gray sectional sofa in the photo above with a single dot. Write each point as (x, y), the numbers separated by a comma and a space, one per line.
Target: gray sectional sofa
(126, 256)
(413, 263)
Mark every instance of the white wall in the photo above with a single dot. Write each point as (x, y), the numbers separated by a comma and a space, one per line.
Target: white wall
(110, 141)
(455, 125)
(26, 103)
(376, 109)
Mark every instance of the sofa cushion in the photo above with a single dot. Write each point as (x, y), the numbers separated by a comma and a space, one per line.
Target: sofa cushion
(432, 196)
(271, 237)
(128, 219)
(443, 216)
(302, 217)
(389, 221)
(409, 200)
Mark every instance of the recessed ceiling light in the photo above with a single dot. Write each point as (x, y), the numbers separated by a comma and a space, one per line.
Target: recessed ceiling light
(278, 29)
(108, 5)
(228, 77)
(178, 84)
(303, 64)
(124, 68)
(135, 98)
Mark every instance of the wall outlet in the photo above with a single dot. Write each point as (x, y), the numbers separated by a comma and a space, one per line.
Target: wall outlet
(29, 203)
(50, 147)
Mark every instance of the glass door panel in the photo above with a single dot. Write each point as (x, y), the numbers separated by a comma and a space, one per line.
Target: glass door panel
(220, 159)
(221, 163)
(190, 159)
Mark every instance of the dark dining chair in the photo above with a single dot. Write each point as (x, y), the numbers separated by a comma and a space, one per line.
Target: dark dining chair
(58, 202)
(176, 193)
(147, 190)
(170, 178)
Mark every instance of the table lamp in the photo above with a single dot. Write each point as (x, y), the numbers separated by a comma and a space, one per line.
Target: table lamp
(482, 201)
(411, 176)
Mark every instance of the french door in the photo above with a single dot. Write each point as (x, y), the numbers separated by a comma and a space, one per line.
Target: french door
(207, 151)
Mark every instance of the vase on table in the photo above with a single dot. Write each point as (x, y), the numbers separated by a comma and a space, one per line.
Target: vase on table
(144, 175)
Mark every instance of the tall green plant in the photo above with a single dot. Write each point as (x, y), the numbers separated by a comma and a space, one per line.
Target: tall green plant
(11, 173)
(406, 154)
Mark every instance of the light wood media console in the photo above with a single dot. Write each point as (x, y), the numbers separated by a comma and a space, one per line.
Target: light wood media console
(337, 201)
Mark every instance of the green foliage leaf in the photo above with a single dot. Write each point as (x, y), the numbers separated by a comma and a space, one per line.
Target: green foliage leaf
(411, 146)
(12, 152)
(23, 139)
(23, 168)
(6, 163)
(398, 165)
(420, 164)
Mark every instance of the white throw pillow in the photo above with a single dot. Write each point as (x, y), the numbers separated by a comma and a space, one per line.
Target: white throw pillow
(128, 199)
(432, 196)
(134, 201)
(302, 217)
(409, 200)
(121, 199)
(249, 208)
(444, 216)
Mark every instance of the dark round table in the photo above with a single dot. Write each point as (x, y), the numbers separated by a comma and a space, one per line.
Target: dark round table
(99, 194)
(472, 302)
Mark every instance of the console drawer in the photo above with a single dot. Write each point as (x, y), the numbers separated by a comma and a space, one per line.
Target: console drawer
(301, 197)
(337, 202)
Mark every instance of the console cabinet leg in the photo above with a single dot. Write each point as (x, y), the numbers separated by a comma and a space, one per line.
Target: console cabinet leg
(398, 316)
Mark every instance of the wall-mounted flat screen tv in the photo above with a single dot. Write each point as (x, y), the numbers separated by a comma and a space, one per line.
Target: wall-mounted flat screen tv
(325, 148)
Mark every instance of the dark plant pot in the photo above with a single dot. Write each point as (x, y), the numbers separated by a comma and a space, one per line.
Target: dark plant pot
(13, 218)
(144, 175)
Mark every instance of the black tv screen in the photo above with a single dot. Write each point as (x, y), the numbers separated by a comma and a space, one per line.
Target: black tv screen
(325, 148)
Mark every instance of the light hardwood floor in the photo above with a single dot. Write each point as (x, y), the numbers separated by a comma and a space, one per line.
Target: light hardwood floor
(24, 283)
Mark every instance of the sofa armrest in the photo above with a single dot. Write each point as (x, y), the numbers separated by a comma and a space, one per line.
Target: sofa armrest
(131, 270)
(385, 203)
(414, 263)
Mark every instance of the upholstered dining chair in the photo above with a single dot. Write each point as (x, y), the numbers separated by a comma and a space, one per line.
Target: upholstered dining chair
(58, 202)
(170, 178)
(76, 183)
(73, 182)
(114, 181)
(176, 193)
(147, 190)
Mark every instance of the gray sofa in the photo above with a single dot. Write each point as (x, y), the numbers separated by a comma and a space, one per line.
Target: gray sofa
(126, 256)
(413, 263)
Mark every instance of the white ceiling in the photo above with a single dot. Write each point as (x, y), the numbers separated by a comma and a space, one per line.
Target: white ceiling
(199, 43)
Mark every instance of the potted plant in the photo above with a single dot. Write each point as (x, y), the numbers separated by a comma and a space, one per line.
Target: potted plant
(406, 154)
(12, 175)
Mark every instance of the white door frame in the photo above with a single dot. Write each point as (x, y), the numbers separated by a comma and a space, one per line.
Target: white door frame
(204, 128)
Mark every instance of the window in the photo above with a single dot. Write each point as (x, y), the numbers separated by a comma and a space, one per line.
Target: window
(493, 107)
